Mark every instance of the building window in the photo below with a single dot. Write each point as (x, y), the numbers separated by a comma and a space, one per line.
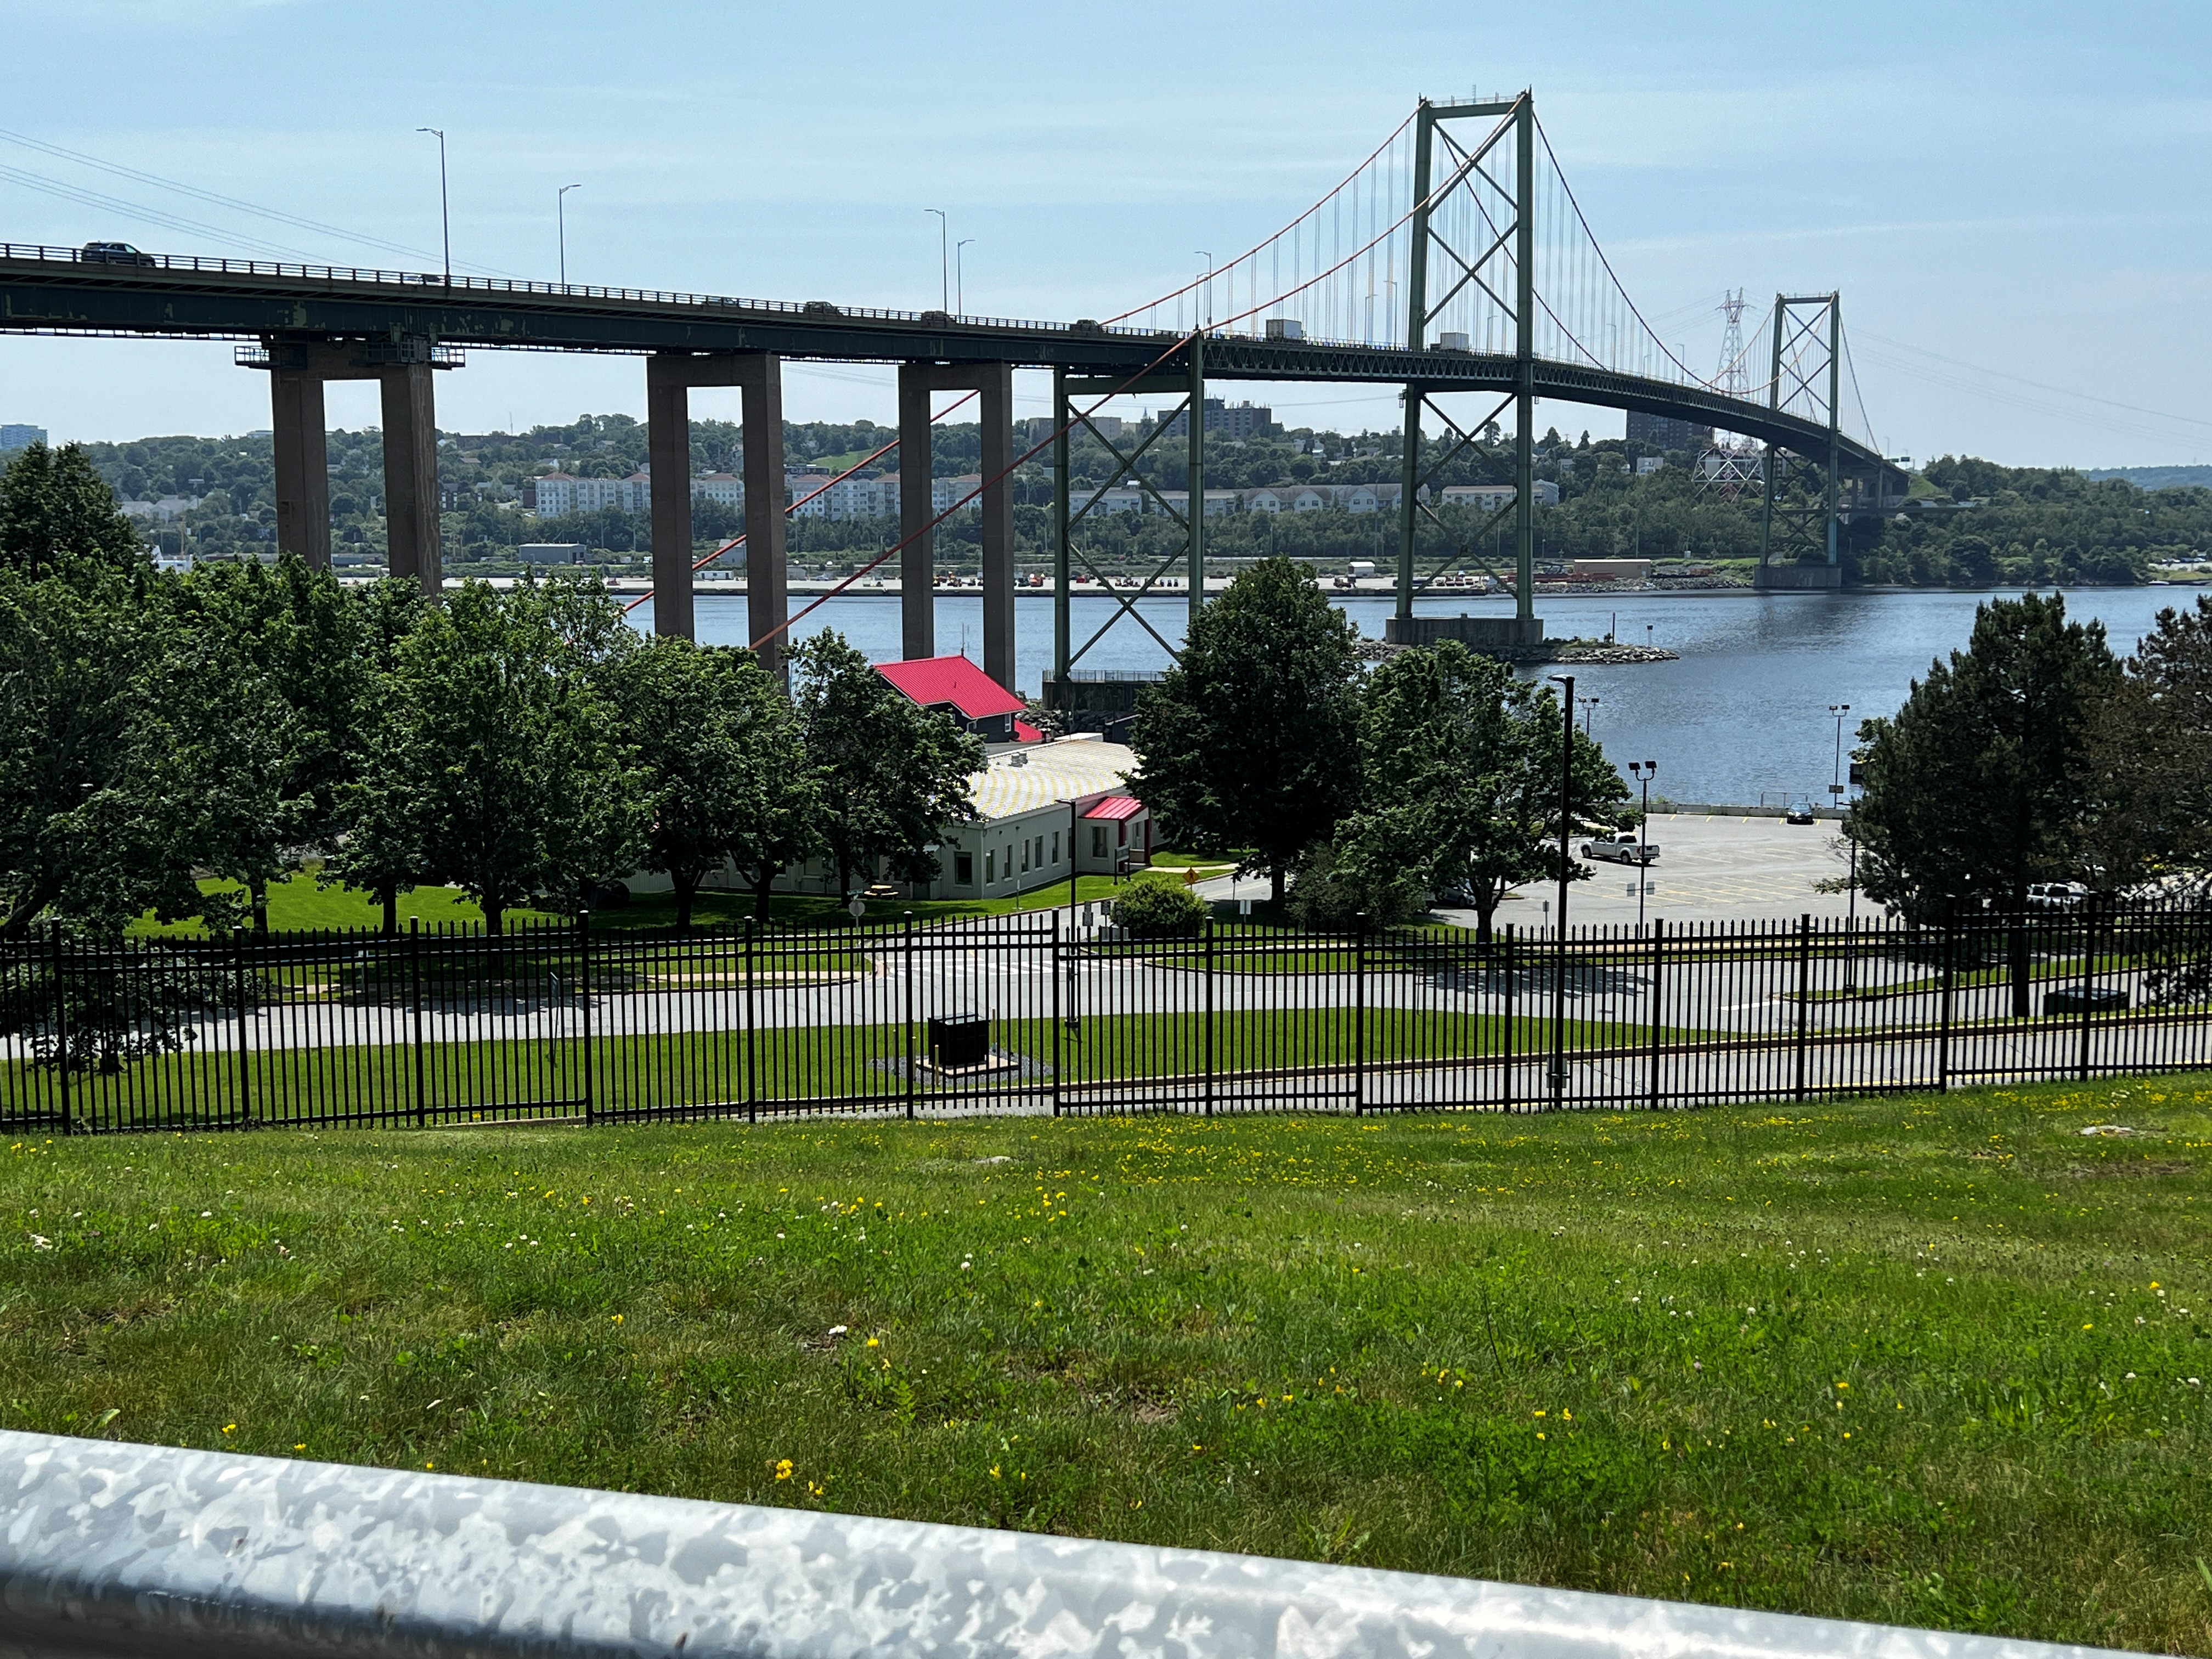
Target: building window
(1025, 854)
(990, 868)
(1097, 840)
(1055, 847)
(964, 869)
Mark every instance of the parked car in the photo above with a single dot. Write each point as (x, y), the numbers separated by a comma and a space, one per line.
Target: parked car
(2056, 895)
(2085, 998)
(1625, 847)
(113, 253)
(1798, 811)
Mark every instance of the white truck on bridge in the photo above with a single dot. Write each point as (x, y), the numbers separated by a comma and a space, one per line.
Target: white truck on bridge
(1624, 847)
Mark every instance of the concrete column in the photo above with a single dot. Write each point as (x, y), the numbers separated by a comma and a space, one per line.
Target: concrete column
(767, 584)
(918, 562)
(997, 384)
(410, 474)
(668, 438)
(303, 473)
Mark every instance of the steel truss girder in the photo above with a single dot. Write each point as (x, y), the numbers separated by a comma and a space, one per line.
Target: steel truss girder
(1067, 556)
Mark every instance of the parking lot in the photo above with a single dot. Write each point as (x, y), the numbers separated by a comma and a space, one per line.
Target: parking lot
(1709, 869)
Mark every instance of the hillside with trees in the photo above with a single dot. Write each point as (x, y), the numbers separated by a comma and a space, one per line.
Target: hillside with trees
(1970, 523)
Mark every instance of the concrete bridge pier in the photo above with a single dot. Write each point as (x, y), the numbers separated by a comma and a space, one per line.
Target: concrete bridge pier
(758, 376)
(403, 369)
(917, 564)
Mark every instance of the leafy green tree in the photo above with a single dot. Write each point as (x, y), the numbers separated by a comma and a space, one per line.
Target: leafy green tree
(287, 651)
(1468, 755)
(2150, 757)
(1251, 740)
(893, 775)
(1979, 784)
(526, 787)
(54, 507)
(381, 807)
(72, 650)
(1372, 871)
(726, 778)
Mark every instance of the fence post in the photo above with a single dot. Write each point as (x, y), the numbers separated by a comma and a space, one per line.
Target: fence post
(1658, 961)
(752, 1021)
(1943, 1037)
(1209, 1014)
(1804, 995)
(2088, 979)
(61, 1026)
(1512, 976)
(245, 1058)
(1059, 1034)
(414, 1002)
(906, 1018)
(1359, 1015)
(584, 990)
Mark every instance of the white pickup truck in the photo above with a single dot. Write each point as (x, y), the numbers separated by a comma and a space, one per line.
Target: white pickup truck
(1625, 847)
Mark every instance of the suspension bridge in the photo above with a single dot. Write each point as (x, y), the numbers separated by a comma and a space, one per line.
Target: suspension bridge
(1454, 262)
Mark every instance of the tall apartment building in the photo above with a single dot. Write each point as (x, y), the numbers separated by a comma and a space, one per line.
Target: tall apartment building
(1245, 421)
(14, 436)
(1665, 432)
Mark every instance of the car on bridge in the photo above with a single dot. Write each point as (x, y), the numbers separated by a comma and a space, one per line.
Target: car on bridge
(1627, 847)
(113, 253)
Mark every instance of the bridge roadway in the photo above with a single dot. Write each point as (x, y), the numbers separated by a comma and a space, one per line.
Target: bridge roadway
(312, 323)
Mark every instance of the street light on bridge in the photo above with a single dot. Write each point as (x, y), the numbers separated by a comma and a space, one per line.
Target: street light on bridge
(944, 259)
(561, 212)
(960, 275)
(444, 214)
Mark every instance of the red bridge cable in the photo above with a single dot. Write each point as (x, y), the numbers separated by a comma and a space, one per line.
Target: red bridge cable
(1019, 460)
(738, 540)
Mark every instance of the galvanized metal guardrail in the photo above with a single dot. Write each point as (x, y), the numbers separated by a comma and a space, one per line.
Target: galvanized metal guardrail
(110, 1549)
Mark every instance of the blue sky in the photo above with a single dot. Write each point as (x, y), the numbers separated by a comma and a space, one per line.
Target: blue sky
(2017, 188)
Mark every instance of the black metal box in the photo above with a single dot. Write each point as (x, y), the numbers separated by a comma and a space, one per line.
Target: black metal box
(959, 1039)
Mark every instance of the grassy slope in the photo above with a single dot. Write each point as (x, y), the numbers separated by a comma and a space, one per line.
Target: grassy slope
(1898, 1360)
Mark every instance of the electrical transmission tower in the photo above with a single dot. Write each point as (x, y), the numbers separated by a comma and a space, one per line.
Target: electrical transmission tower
(1735, 466)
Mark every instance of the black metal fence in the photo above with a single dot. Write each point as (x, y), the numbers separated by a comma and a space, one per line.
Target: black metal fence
(1041, 1012)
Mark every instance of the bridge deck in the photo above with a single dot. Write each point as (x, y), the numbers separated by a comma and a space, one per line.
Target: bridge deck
(54, 290)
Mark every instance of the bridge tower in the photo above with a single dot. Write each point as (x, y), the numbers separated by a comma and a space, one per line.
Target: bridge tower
(1798, 522)
(1505, 269)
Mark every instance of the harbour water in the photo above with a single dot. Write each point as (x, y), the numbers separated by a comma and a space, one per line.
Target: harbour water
(1743, 715)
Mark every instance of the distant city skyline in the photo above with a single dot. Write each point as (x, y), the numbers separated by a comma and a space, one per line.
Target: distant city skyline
(2010, 198)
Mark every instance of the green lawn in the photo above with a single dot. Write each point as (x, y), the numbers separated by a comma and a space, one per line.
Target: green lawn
(1934, 1360)
(300, 904)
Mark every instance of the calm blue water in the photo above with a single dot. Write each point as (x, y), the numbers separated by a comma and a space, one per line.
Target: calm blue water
(1743, 714)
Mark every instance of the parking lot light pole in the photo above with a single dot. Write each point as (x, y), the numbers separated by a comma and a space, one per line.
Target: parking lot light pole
(1644, 771)
(1851, 901)
(1559, 1077)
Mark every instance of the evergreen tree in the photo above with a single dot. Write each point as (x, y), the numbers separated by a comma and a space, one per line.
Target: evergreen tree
(1978, 784)
(53, 506)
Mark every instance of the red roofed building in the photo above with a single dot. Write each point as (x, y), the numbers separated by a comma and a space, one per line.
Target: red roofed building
(965, 691)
